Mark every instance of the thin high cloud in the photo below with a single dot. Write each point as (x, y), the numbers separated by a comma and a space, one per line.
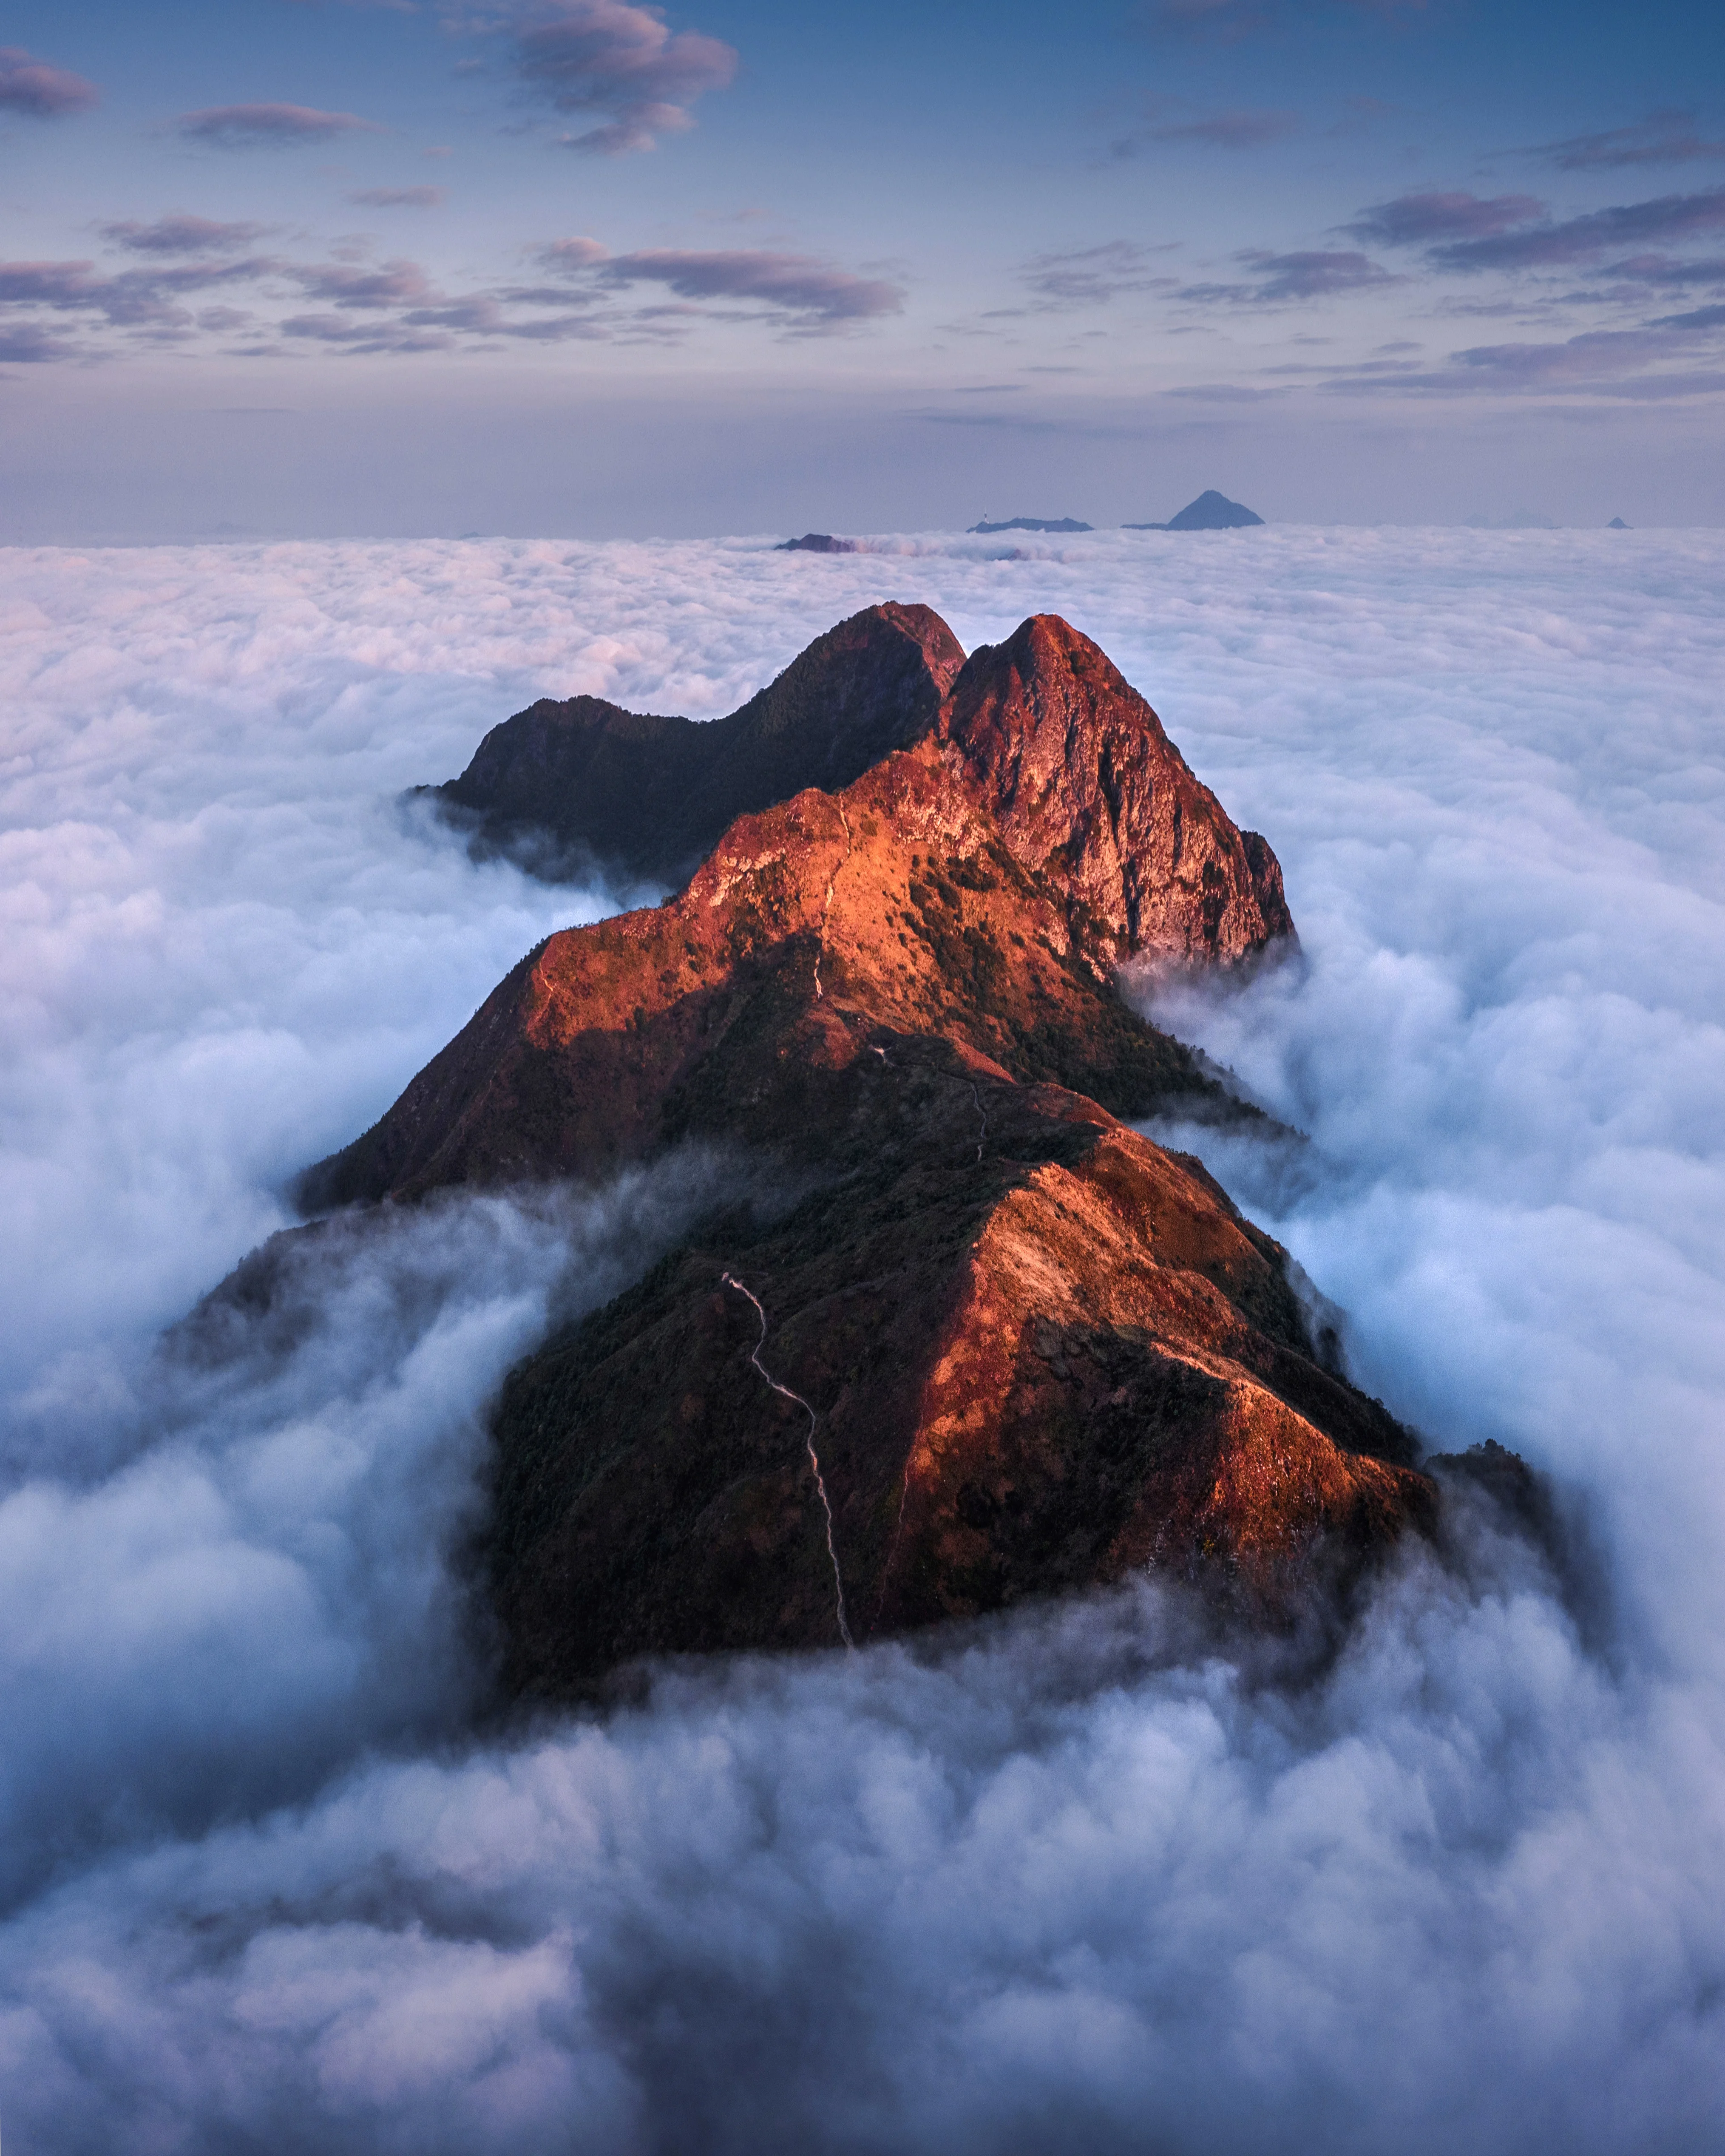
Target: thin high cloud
(1229, 21)
(39, 89)
(1091, 276)
(1655, 362)
(357, 337)
(799, 288)
(1238, 127)
(623, 66)
(1276, 280)
(1462, 232)
(182, 234)
(1423, 219)
(361, 307)
(266, 127)
(1672, 137)
(420, 197)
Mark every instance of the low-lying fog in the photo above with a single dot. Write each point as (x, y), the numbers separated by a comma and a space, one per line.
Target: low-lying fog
(1059, 1889)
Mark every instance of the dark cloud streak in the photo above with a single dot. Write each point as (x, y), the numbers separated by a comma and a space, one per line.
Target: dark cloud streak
(181, 235)
(1286, 279)
(1417, 220)
(254, 126)
(799, 287)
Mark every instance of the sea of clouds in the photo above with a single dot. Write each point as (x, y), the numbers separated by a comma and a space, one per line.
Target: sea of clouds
(1073, 1884)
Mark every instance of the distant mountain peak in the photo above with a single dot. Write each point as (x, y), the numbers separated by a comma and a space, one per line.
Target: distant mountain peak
(1210, 512)
(1032, 523)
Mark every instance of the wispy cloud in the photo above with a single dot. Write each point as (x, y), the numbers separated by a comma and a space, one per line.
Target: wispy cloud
(623, 66)
(809, 292)
(1239, 128)
(343, 331)
(1422, 219)
(393, 285)
(251, 126)
(1585, 238)
(1091, 276)
(1230, 20)
(398, 198)
(39, 89)
(180, 234)
(1670, 136)
(1305, 273)
(1655, 361)
(1697, 318)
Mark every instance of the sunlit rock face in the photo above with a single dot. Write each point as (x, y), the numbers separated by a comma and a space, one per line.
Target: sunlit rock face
(1076, 770)
(1010, 1346)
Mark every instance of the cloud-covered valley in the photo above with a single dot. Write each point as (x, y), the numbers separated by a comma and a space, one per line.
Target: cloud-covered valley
(1086, 1881)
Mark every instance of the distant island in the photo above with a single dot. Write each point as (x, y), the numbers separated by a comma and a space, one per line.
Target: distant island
(1034, 524)
(1617, 524)
(1210, 512)
(816, 542)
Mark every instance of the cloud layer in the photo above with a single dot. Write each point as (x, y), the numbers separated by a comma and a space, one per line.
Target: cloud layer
(1081, 1879)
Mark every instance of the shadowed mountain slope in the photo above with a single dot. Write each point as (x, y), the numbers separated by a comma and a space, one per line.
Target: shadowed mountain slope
(562, 785)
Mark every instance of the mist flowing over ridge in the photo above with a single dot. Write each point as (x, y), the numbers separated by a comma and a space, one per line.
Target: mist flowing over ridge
(1082, 1874)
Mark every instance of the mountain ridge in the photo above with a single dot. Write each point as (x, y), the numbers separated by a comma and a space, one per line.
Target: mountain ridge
(1001, 1344)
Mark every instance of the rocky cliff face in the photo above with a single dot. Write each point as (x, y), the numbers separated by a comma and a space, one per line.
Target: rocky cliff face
(1074, 767)
(1003, 1345)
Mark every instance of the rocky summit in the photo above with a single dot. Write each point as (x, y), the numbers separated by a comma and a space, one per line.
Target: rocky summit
(991, 1342)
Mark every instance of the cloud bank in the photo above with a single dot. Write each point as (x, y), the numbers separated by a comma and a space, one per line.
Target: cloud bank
(1079, 1881)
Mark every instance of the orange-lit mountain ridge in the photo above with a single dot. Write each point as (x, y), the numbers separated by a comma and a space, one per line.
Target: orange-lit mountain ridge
(1028, 1348)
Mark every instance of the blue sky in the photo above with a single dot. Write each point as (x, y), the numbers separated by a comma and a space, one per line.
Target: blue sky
(582, 266)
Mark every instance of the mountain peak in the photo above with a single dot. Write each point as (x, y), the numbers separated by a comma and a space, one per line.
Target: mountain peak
(1210, 512)
(1077, 768)
(1038, 1351)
